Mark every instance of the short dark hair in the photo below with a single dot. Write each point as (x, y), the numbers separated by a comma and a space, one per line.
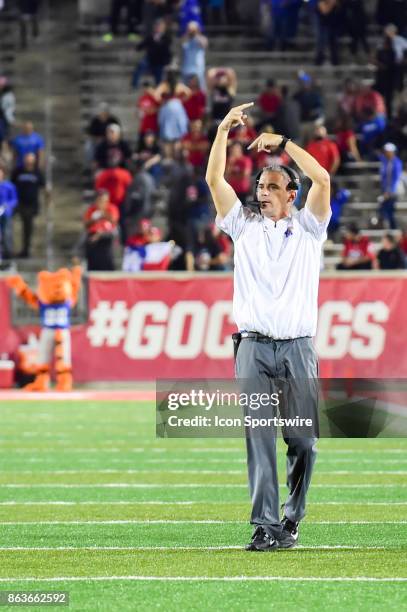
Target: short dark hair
(353, 228)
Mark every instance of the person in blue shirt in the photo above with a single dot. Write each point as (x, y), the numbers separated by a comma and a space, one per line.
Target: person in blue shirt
(28, 141)
(193, 54)
(8, 202)
(391, 169)
(370, 131)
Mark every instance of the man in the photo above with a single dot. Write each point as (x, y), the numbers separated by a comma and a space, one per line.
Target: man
(277, 261)
(324, 150)
(29, 181)
(158, 53)
(358, 252)
(8, 202)
(113, 151)
(390, 256)
(100, 221)
(391, 170)
(194, 48)
(28, 141)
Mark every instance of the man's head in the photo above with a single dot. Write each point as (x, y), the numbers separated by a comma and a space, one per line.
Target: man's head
(193, 82)
(113, 133)
(389, 150)
(390, 30)
(103, 111)
(193, 28)
(196, 126)
(159, 26)
(236, 150)
(352, 232)
(28, 128)
(147, 83)
(270, 85)
(102, 199)
(320, 132)
(274, 192)
(388, 242)
(29, 161)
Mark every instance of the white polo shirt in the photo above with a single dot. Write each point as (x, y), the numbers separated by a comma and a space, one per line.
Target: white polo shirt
(276, 273)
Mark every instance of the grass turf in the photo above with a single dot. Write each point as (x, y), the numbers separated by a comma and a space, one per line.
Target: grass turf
(68, 466)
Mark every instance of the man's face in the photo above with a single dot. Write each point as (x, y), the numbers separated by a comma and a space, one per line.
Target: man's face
(29, 161)
(112, 135)
(274, 199)
(28, 128)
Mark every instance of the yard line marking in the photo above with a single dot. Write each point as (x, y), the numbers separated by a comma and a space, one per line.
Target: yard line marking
(137, 485)
(103, 449)
(206, 472)
(179, 503)
(172, 548)
(206, 579)
(186, 522)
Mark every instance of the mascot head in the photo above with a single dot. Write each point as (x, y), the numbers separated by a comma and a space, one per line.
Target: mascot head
(54, 287)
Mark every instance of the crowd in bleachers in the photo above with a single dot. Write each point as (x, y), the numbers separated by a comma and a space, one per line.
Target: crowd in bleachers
(180, 101)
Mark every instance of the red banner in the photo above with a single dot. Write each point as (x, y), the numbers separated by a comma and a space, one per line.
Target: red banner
(179, 326)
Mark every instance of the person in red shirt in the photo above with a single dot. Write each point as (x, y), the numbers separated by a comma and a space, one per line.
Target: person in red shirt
(345, 138)
(325, 151)
(269, 102)
(245, 134)
(116, 182)
(101, 220)
(147, 108)
(358, 252)
(196, 143)
(369, 98)
(195, 104)
(238, 171)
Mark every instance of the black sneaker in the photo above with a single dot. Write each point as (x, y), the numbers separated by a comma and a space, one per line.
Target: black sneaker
(289, 534)
(262, 541)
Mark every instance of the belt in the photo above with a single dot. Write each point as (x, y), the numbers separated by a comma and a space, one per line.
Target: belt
(262, 338)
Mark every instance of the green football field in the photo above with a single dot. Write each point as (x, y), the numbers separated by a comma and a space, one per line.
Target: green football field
(92, 503)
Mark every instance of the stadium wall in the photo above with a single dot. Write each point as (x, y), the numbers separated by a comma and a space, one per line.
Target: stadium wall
(148, 326)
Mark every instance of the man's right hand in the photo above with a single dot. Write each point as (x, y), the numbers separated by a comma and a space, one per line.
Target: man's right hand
(235, 117)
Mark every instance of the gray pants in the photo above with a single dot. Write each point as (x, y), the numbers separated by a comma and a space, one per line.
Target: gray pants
(260, 364)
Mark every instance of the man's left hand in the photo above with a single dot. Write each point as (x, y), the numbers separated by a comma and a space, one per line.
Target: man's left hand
(265, 141)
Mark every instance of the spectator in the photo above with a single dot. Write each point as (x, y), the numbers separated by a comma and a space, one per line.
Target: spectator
(324, 150)
(171, 86)
(101, 222)
(28, 141)
(389, 257)
(149, 154)
(339, 197)
(198, 202)
(158, 53)
(345, 138)
(310, 100)
(28, 181)
(367, 97)
(222, 87)
(386, 73)
(96, 129)
(370, 132)
(113, 151)
(287, 120)
(391, 169)
(172, 122)
(280, 25)
(399, 46)
(204, 252)
(358, 252)
(238, 171)
(194, 47)
(403, 246)
(189, 10)
(115, 181)
(139, 197)
(8, 202)
(147, 108)
(146, 251)
(269, 102)
(133, 18)
(7, 109)
(356, 22)
(196, 143)
(195, 104)
(328, 30)
(152, 11)
(28, 13)
(347, 97)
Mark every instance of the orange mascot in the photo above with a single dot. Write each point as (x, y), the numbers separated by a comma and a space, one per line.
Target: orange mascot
(57, 293)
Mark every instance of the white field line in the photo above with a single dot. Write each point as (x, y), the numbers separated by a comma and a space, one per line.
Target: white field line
(205, 472)
(206, 579)
(103, 449)
(186, 522)
(197, 485)
(172, 548)
(180, 503)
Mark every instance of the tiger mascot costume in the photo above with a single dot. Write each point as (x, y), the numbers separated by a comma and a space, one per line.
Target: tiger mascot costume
(56, 295)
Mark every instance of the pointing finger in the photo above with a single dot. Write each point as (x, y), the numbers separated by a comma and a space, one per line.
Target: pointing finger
(253, 144)
(243, 106)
